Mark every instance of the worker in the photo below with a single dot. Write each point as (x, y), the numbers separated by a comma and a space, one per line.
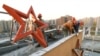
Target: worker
(76, 26)
(43, 31)
(67, 27)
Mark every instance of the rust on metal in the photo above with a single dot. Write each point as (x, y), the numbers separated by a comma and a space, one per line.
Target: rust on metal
(18, 16)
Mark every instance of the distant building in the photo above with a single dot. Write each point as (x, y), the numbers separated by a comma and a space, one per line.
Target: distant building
(62, 20)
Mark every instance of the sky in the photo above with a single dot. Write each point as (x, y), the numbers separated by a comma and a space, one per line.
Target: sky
(53, 9)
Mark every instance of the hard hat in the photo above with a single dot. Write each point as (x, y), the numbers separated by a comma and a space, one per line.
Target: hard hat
(39, 15)
(73, 18)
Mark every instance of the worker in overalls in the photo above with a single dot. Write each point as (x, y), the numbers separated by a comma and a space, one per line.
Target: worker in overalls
(43, 31)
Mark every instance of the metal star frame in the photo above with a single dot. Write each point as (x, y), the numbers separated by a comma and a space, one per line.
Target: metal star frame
(18, 15)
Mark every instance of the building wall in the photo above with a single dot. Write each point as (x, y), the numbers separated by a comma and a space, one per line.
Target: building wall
(62, 20)
(65, 48)
(1, 26)
(5, 26)
(9, 25)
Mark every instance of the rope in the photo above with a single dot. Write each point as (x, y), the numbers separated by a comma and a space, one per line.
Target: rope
(14, 29)
(27, 27)
(11, 30)
(3, 12)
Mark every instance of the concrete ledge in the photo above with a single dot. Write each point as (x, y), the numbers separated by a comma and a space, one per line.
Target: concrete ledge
(10, 48)
(50, 30)
(2, 41)
(56, 49)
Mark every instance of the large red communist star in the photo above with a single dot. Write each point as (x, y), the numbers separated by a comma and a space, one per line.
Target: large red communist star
(18, 15)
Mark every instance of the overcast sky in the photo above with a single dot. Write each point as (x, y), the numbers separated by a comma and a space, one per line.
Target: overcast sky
(52, 9)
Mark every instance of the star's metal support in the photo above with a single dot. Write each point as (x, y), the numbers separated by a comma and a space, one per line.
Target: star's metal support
(77, 50)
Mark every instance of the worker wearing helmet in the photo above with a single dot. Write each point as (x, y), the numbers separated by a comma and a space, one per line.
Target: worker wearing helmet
(40, 18)
(76, 25)
(73, 20)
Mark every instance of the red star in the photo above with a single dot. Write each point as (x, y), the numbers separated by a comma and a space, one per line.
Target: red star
(17, 15)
